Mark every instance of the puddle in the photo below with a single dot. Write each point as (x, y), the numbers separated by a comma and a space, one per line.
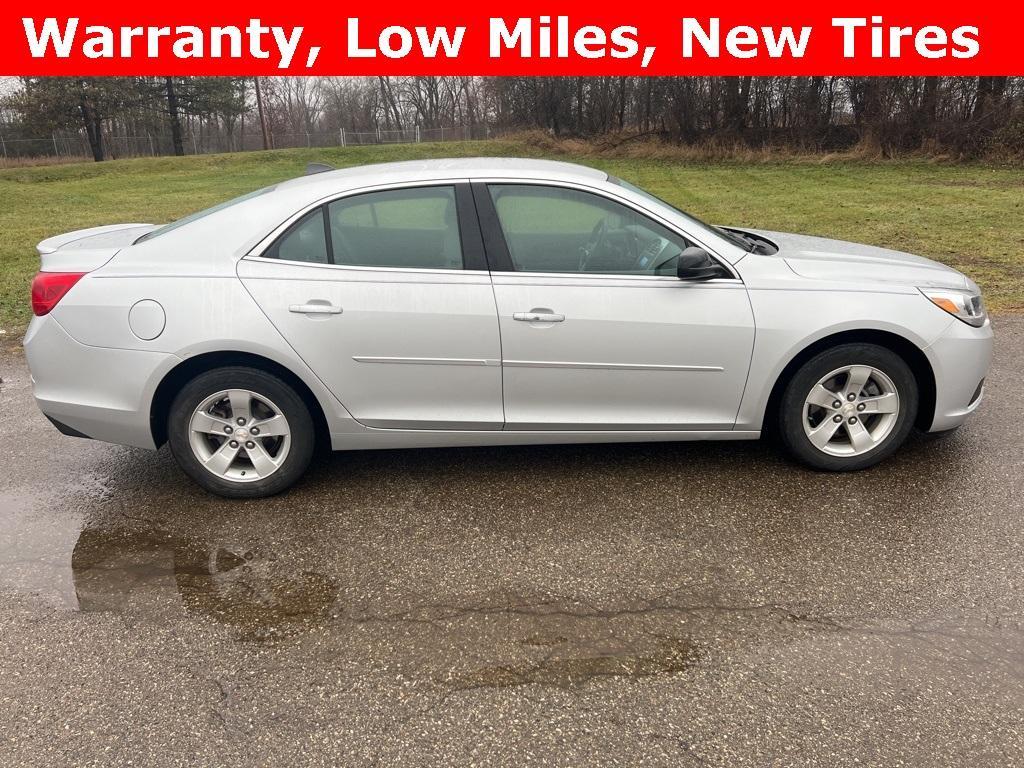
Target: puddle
(248, 589)
(34, 548)
(150, 573)
(668, 656)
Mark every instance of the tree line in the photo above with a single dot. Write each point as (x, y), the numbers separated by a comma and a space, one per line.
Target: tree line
(964, 116)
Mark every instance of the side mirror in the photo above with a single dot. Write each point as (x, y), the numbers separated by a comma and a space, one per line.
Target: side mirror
(696, 264)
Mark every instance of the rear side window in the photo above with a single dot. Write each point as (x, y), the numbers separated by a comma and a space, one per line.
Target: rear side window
(305, 240)
(202, 214)
(414, 228)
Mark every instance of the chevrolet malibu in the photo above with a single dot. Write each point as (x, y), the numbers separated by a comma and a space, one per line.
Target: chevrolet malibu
(488, 302)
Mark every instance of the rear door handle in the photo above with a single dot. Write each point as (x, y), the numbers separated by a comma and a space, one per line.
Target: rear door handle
(538, 316)
(315, 308)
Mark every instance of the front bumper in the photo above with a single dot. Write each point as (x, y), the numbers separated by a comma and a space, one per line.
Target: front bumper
(960, 359)
(97, 392)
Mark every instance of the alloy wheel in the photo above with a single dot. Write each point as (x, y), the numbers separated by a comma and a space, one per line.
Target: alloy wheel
(851, 410)
(239, 435)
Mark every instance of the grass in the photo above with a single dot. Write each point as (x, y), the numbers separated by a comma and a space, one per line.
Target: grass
(968, 216)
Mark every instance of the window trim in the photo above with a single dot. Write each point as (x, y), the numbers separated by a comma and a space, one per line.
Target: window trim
(500, 258)
(474, 257)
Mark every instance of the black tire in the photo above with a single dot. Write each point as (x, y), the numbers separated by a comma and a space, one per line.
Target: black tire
(791, 409)
(291, 405)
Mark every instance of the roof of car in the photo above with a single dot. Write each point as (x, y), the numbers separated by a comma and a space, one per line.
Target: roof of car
(468, 167)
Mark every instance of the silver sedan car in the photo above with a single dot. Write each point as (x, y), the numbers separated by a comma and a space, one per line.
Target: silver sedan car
(488, 302)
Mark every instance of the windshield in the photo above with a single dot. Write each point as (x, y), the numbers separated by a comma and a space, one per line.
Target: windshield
(201, 214)
(732, 237)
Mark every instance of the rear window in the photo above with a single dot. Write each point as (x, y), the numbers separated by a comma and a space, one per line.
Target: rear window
(202, 214)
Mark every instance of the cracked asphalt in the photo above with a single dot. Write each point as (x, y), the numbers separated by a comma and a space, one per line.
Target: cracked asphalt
(661, 604)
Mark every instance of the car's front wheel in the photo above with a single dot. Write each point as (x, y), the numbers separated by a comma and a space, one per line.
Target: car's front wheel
(241, 432)
(848, 407)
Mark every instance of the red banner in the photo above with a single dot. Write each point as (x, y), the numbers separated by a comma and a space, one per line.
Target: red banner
(564, 38)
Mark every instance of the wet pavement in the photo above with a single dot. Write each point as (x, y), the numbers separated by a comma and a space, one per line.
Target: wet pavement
(654, 604)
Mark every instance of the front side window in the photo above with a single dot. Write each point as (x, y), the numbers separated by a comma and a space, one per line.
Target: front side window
(415, 228)
(556, 229)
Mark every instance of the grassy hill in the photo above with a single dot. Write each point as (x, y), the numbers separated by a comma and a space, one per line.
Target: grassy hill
(969, 216)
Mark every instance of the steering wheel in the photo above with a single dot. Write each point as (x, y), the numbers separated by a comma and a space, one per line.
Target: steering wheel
(594, 242)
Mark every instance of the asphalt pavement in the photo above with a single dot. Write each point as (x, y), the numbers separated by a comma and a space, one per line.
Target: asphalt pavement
(661, 604)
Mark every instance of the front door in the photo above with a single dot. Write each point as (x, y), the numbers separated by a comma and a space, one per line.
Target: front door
(385, 295)
(597, 332)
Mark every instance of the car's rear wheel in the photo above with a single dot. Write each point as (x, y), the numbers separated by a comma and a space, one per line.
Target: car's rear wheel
(240, 432)
(848, 407)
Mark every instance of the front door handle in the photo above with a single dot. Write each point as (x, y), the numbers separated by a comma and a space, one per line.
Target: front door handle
(315, 308)
(538, 316)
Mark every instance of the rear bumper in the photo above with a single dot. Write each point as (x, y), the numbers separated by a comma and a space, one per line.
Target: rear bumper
(95, 392)
(960, 359)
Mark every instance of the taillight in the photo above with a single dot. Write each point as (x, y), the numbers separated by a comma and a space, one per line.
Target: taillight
(48, 288)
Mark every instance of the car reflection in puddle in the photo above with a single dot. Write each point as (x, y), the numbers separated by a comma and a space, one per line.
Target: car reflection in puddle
(149, 572)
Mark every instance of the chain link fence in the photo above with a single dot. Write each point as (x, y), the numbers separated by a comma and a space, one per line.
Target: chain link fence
(66, 146)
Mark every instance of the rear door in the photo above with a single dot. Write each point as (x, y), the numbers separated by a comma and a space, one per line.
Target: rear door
(386, 296)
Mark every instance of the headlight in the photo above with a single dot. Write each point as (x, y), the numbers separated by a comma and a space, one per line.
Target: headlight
(963, 305)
